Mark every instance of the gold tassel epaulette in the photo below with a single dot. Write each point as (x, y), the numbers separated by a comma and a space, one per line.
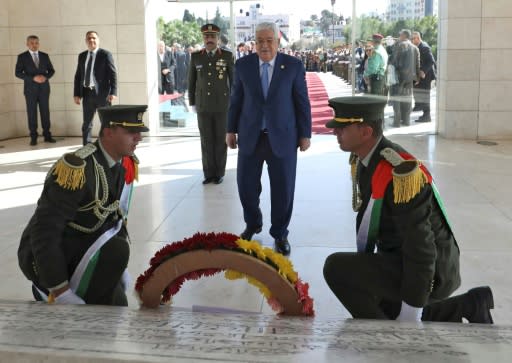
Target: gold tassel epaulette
(70, 168)
(408, 178)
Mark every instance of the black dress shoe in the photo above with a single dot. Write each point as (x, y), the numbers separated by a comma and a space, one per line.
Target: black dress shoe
(249, 232)
(424, 118)
(33, 142)
(50, 139)
(207, 180)
(282, 246)
(218, 180)
(478, 303)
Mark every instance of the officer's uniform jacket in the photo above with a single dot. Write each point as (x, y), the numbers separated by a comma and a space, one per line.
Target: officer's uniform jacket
(417, 230)
(210, 80)
(79, 202)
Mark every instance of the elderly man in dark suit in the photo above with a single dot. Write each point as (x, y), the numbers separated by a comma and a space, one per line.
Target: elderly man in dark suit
(269, 117)
(167, 63)
(95, 81)
(35, 69)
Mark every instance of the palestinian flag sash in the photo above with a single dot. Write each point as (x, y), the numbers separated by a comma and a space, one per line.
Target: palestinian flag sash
(369, 228)
(79, 282)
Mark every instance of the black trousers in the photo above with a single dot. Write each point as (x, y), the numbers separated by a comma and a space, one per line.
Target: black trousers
(422, 96)
(39, 94)
(281, 173)
(212, 130)
(401, 95)
(105, 285)
(368, 285)
(90, 103)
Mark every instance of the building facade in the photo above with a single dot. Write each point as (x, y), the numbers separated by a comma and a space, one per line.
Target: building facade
(410, 9)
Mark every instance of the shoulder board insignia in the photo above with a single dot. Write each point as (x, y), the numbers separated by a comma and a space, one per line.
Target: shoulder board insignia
(70, 171)
(391, 156)
(85, 151)
(408, 178)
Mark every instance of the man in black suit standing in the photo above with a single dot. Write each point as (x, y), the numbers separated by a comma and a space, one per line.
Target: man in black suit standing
(427, 75)
(35, 69)
(95, 81)
(166, 80)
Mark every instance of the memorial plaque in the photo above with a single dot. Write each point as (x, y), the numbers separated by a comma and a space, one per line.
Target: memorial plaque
(112, 334)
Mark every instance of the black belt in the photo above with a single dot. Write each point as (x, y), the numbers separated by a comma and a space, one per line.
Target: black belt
(264, 132)
(91, 88)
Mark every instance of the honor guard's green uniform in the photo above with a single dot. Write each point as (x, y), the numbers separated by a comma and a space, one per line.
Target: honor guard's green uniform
(77, 235)
(407, 257)
(210, 80)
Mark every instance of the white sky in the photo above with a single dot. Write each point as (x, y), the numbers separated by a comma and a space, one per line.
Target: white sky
(303, 8)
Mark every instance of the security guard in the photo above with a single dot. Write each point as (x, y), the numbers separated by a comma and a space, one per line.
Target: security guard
(415, 267)
(210, 78)
(75, 247)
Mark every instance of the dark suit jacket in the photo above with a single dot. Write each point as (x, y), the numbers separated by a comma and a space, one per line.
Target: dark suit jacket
(104, 73)
(26, 70)
(406, 59)
(50, 249)
(419, 232)
(427, 63)
(286, 109)
(168, 63)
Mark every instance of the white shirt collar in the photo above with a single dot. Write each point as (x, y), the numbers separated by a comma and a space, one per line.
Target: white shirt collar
(111, 162)
(271, 62)
(367, 158)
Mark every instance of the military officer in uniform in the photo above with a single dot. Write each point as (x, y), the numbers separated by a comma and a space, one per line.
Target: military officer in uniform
(210, 78)
(75, 247)
(407, 260)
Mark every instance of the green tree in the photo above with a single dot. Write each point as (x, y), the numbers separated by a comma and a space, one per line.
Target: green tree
(184, 33)
(221, 22)
(326, 20)
(187, 17)
(366, 26)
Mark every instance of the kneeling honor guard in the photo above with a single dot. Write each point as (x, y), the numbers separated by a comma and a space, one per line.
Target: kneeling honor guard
(407, 260)
(75, 248)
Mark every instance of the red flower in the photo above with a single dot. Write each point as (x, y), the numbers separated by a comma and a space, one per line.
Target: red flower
(210, 241)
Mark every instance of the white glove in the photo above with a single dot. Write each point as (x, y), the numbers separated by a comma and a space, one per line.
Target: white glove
(192, 109)
(409, 313)
(69, 297)
(126, 280)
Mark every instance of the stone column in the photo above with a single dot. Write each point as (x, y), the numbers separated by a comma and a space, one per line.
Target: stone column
(474, 72)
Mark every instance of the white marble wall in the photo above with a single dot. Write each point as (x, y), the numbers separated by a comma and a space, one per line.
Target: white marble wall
(475, 79)
(61, 26)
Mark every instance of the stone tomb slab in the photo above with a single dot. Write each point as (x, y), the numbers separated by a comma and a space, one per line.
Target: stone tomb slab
(35, 332)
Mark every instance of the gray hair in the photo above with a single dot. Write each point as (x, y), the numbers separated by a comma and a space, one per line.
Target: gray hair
(268, 26)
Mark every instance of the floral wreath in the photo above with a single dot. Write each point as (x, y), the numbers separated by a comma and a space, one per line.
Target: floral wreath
(230, 242)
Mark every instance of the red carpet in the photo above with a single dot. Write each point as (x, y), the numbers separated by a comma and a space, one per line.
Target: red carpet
(320, 111)
(167, 97)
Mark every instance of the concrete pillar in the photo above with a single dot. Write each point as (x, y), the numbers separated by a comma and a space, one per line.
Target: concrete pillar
(474, 75)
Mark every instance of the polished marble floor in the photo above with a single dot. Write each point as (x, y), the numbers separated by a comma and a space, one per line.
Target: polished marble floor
(170, 203)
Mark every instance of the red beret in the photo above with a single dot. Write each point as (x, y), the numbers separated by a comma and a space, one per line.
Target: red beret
(377, 36)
